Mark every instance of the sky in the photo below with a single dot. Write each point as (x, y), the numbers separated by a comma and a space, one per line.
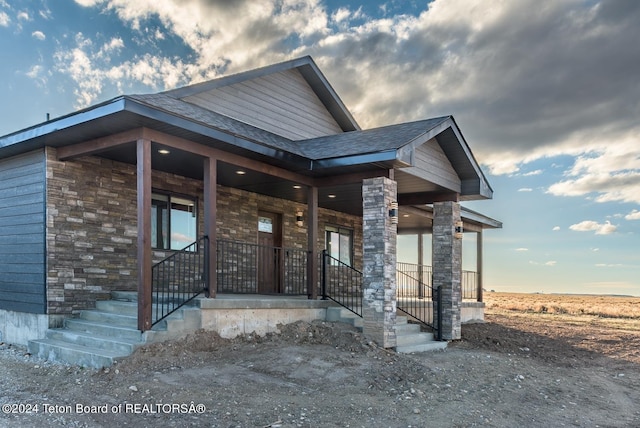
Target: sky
(547, 95)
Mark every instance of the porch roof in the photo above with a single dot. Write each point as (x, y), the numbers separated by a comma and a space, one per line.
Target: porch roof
(325, 158)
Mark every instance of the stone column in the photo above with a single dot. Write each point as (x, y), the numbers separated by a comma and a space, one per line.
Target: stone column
(447, 266)
(379, 261)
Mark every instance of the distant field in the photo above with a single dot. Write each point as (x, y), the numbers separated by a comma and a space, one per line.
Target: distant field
(565, 304)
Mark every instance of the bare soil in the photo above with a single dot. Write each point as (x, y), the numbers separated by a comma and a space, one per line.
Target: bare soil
(527, 370)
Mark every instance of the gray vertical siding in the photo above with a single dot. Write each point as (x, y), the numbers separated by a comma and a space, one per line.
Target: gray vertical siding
(22, 233)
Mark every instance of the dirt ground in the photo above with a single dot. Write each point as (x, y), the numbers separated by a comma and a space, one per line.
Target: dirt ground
(515, 370)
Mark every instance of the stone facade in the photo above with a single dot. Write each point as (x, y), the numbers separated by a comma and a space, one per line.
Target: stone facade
(379, 259)
(447, 266)
(92, 226)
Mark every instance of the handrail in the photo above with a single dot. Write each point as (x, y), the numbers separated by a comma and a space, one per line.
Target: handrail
(341, 283)
(419, 301)
(424, 273)
(179, 278)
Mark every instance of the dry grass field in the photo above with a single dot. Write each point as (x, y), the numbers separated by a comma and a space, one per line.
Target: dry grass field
(570, 304)
(562, 325)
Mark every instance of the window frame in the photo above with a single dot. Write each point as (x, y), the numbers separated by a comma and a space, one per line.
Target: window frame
(169, 195)
(349, 232)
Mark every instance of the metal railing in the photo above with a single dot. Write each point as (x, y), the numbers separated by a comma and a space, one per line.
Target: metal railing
(178, 279)
(341, 283)
(424, 274)
(469, 285)
(246, 268)
(420, 301)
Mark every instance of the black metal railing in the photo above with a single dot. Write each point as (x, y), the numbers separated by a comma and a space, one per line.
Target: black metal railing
(178, 279)
(341, 283)
(246, 268)
(420, 301)
(469, 285)
(424, 273)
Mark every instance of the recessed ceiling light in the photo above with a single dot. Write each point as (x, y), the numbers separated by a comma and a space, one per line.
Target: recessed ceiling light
(332, 196)
(405, 215)
(297, 186)
(240, 172)
(164, 151)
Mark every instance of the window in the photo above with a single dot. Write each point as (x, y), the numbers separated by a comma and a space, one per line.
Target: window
(174, 221)
(339, 243)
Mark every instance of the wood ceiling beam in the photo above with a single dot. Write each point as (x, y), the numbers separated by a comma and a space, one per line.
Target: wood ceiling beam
(98, 145)
(237, 160)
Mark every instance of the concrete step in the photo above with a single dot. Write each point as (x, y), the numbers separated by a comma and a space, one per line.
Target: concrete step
(109, 318)
(60, 351)
(340, 314)
(407, 328)
(120, 345)
(99, 336)
(118, 307)
(422, 347)
(413, 338)
(103, 330)
(132, 296)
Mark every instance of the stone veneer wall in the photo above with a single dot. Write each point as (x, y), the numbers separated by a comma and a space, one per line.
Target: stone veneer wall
(447, 267)
(379, 300)
(92, 226)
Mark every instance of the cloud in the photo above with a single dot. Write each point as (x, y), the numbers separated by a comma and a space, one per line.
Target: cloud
(39, 35)
(556, 228)
(588, 225)
(530, 173)
(522, 249)
(4, 19)
(609, 265)
(633, 215)
(547, 263)
(613, 174)
(525, 189)
(522, 86)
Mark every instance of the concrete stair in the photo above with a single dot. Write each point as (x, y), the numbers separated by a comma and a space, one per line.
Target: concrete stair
(100, 336)
(409, 337)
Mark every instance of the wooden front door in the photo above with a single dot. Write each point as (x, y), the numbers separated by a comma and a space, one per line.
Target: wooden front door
(269, 252)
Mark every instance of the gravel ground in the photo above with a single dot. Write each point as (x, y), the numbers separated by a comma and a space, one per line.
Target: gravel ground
(524, 370)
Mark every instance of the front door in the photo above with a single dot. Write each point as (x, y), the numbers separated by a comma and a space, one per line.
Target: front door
(269, 252)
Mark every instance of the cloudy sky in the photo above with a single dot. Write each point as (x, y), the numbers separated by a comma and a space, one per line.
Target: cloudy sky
(547, 95)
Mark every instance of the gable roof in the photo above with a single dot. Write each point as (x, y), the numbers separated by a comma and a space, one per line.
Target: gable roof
(386, 147)
(304, 65)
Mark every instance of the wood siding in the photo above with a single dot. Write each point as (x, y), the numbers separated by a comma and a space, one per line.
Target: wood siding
(432, 164)
(282, 103)
(22, 233)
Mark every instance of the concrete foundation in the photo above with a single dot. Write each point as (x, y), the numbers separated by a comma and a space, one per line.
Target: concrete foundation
(472, 312)
(234, 316)
(19, 327)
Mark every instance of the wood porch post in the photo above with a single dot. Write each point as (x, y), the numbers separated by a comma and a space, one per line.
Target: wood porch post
(479, 255)
(312, 242)
(143, 152)
(210, 202)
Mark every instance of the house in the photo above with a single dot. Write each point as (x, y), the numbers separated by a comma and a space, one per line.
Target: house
(259, 183)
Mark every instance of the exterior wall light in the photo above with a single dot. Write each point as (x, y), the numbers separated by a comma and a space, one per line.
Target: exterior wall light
(393, 212)
(299, 221)
(459, 229)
